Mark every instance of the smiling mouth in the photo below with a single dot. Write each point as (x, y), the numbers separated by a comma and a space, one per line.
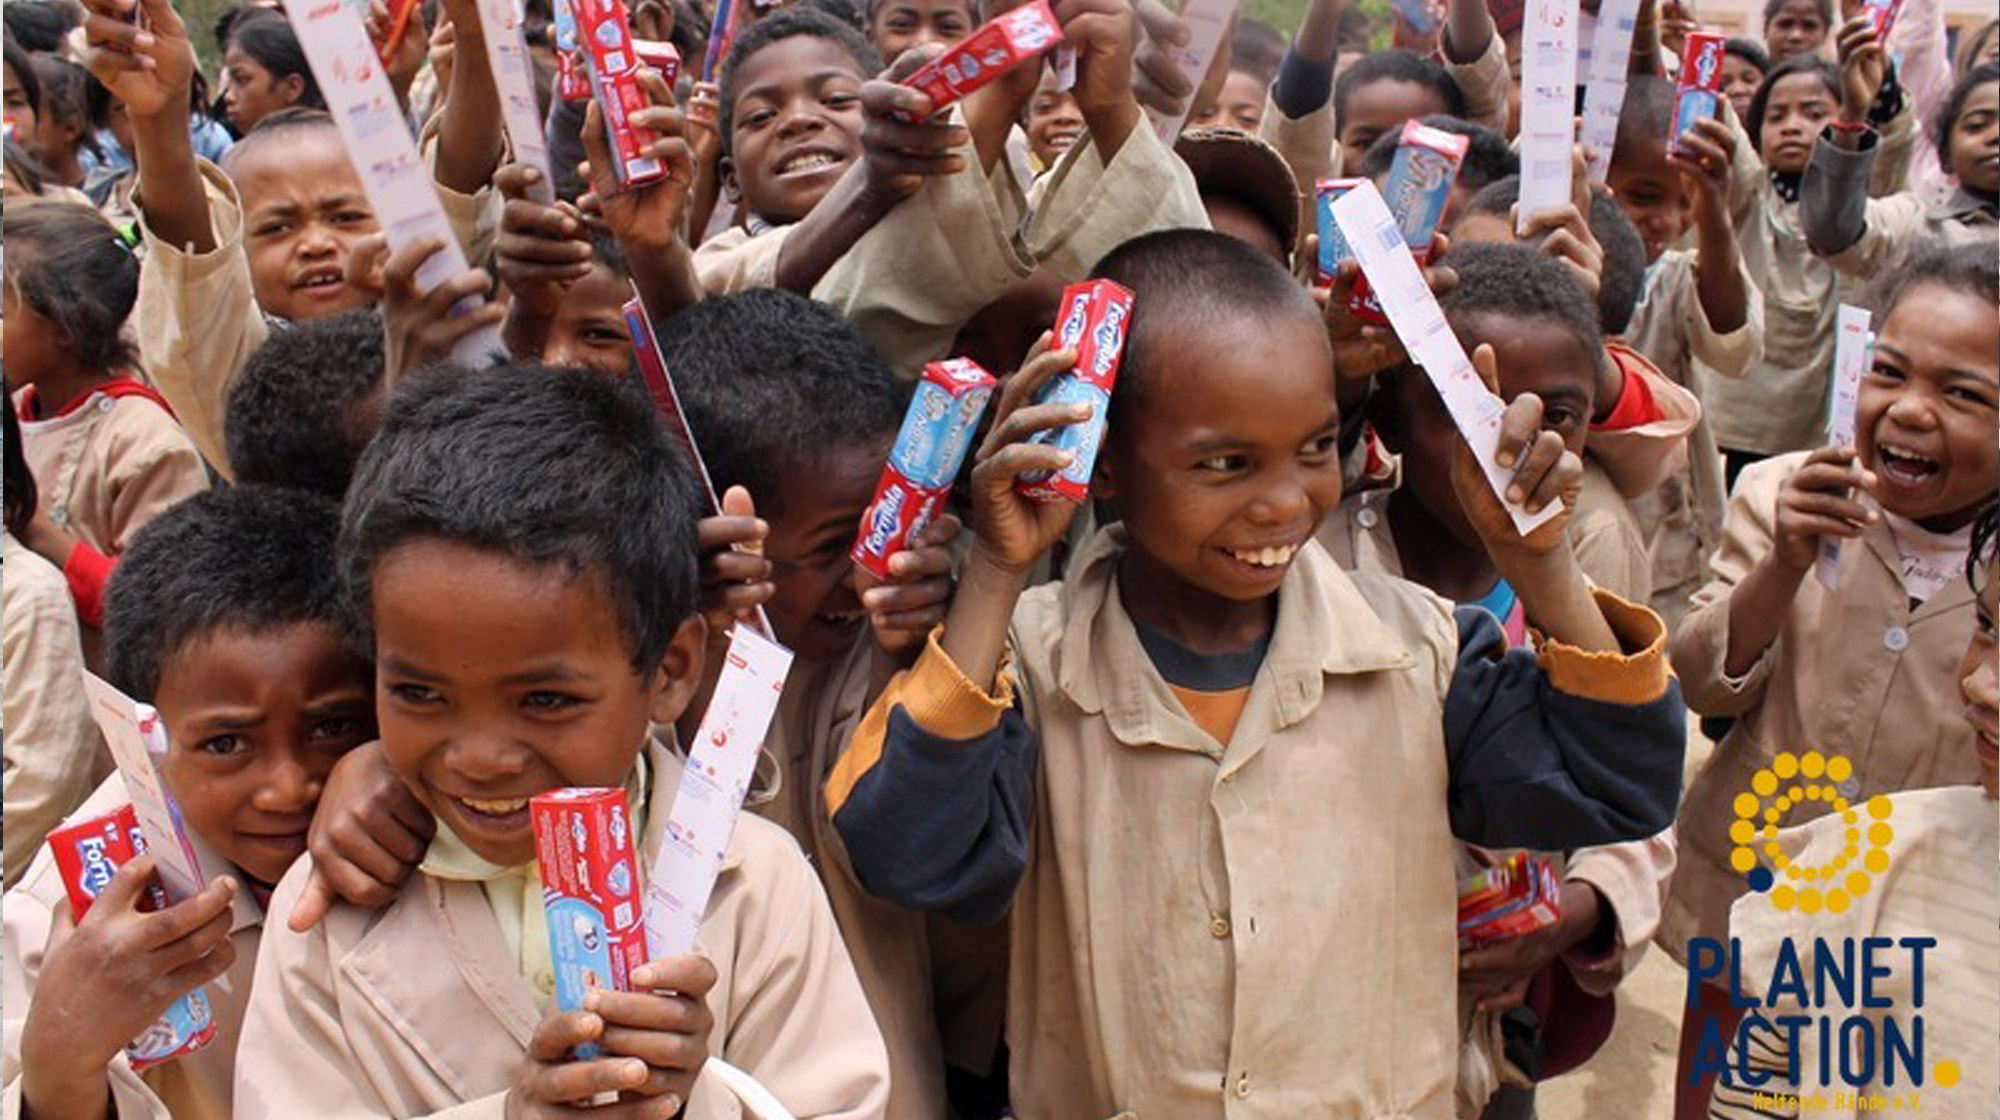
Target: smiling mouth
(321, 280)
(494, 807)
(805, 163)
(1904, 466)
(1272, 557)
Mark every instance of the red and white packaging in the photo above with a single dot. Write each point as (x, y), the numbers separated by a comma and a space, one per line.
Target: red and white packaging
(1698, 87)
(1093, 319)
(1419, 187)
(937, 431)
(663, 57)
(606, 37)
(1882, 16)
(995, 47)
(591, 890)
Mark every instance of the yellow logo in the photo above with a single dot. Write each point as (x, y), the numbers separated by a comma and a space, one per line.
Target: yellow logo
(1795, 780)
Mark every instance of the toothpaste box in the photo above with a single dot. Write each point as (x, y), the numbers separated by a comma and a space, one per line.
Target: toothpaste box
(1093, 319)
(1420, 182)
(936, 434)
(662, 57)
(992, 49)
(614, 82)
(1698, 91)
(572, 80)
(88, 853)
(591, 892)
(1882, 15)
(1506, 901)
(1333, 250)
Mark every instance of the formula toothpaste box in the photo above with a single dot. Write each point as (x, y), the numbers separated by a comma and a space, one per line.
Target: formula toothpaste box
(88, 853)
(614, 81)
(1698, 91)
(993, 48)
(1092, 319)
(916, 483)
(591, 892)
(1333, 250)
(1420, 182)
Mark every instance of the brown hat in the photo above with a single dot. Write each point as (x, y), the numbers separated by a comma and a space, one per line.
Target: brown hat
(1235, 163)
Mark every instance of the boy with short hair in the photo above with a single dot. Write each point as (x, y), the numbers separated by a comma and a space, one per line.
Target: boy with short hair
(225, 615)
(581, 554)
(306, 404)
(1204, 666)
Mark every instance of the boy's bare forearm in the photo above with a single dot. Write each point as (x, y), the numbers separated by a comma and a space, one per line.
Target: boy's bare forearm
(469, 140)
(823, 236)
(1758, 608)
(1557, 598)
(1725, 300)
(171, 193)
(664, 276)
(975, 629)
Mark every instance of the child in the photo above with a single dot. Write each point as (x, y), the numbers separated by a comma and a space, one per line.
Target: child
(1052, 123)
(895, 26)
(1204, 675)
(63, 133)
(581, 552)
(1864, 670)
(106, 448)
(569, 282)
(795, 412)
(1796, 27)
(1937, 885)
(264, 70)
(226, 616)
(26, 177)
(1239, 104)
(1744, 64)
(53, 753)
(307, 403)
(1488, 159)
(1863, 237)
(1700, 316)
(1246, 189)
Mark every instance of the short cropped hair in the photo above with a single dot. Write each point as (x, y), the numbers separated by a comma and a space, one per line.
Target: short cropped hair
(1488, 158)
(1647, 115)
(1968, 269)
(1825, 11)
(285, 123)
(789, 23)
(1190, 278)
(1623, 279)
(772, 380)
(1398, 66)
(291, 418)
(557, 467)
(238, 557)
(1517, 282)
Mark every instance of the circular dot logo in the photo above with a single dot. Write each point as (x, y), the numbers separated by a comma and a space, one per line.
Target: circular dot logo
(1797, 780)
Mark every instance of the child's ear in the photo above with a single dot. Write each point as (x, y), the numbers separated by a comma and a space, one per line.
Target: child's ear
(731, 190)
(293, 87)
(680, 670)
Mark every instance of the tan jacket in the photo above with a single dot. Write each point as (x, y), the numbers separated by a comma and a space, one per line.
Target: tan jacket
(54, 754)
(1940, 884)
(1854, 673)
(419, 1009)
(109, 466)
(1682, 519)
(894, 952)
(196, 1087)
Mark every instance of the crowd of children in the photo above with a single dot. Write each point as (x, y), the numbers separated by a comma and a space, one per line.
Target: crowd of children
(1165, 802)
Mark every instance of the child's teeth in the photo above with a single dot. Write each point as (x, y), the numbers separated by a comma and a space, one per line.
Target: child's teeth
(495, 808)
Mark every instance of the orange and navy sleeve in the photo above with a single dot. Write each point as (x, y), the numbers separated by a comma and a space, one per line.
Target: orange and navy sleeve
(1557, 748)
(934, 796)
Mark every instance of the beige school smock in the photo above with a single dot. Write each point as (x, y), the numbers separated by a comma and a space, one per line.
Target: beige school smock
(1942, 882)
(1682, 518)
(1900, 223)
(109, 466)
(53, 751)
(419, 1009)
(198, 318)
(196, 1087)
(1855, 673)
(892, 947)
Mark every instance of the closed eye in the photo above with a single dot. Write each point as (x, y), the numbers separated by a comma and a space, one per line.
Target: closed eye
(545, 701)
(415, 695)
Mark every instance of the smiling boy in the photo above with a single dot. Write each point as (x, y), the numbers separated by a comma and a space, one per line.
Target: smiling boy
(532, 607)
(1206, 688)
(225, 614)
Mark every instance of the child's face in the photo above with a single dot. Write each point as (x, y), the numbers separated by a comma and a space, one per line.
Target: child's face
(1380, 107)
(1240, 105)
(1228, 463)
(1538, 356)
(303, 213)
(813, 517)
(1796, 113)
(1739, 83)
(32, 344)
(1975, 141)
(498, 680)
(1927, 408)
(256, 719)
(797, 125)
(1979, 682)
(1414, 424)
(900, 25)
(1795, 28)
(1054, 124)
(250, 92)
(589, 328)
(1650, 191)
(19, 109)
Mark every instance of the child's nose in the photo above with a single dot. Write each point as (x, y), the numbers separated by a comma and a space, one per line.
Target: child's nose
(486, 757)
(289, 788)
(1911, 411)
(1282, 502)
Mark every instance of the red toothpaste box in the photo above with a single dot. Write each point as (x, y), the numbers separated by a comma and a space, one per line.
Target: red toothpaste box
(1506, 901)
(1092, 319)
(1419, 187)
(591, 891)
(572, 79)
(937, 432)
(614, 81)
(1698, 88)
(993, 48)
(663, 57)
(1882, 15)
(88, 853)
